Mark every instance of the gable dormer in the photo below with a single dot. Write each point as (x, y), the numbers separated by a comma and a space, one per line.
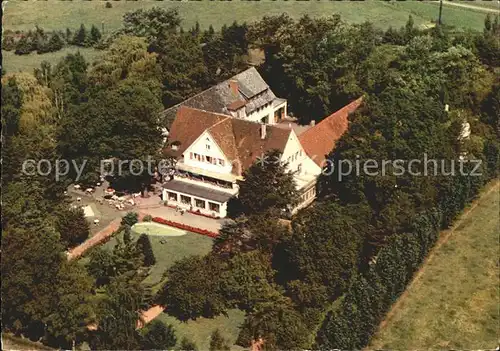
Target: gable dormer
(205, 153)
(237, 109)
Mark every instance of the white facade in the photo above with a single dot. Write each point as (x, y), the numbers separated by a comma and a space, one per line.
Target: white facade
(306, 171)
(205, 153)
(297, 159)
(270, 113)
(204, 165)
(263, 114)
(195, 203)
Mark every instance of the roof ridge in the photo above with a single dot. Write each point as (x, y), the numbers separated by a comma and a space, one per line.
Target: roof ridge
(189, 98)
(334, 114)
(210, 112)
(321, 139)
(222, 120)
(212, 87)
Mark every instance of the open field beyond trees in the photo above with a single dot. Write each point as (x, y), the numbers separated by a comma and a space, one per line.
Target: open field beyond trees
(454, 303)
(370, 256)
(27, 63)
(22, 15)
(59, 15)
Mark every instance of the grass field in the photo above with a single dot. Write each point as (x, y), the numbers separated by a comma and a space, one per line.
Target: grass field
(61, 14)
(488, 4)
(173, 250)
(27, 63)
(166, 254)
(454, 304)
(157, 229)
(52, 14)
(200, 330)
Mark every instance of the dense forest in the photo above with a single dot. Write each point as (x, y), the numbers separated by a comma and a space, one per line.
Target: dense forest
(326, 280)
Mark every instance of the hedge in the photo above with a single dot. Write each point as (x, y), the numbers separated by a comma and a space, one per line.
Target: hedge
(353, 323)
(185, 227)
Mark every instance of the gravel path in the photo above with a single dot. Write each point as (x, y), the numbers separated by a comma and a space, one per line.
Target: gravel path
(472, 7)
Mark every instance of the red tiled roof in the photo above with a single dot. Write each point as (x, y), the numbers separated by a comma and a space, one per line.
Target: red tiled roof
(223, 135)
(250, 145)
(239, 140)
(320, 140)
(188, 126)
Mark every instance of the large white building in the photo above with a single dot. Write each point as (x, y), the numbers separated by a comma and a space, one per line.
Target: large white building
(246, 96)
(213, 150)
(216, 135)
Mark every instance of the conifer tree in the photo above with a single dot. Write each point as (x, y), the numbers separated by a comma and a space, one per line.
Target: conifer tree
(69, 36)
(218, 342)
(188, 345)
(159, 337)
(144, 245)
(95, 35)
(55, 43)
(81, 36)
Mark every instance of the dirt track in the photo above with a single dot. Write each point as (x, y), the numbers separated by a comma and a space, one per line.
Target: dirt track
(472, 7)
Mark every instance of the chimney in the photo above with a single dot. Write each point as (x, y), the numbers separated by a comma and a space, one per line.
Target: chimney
(263, 131)
(313, 123)
(233, 85)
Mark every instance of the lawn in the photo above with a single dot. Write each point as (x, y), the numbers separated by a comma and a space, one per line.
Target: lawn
(176, 248)
(454, 304)
(27, 63)
(157, 229)
(61, 14)
(168, 253)
(200, 329)
(452, 15)
(57, 15)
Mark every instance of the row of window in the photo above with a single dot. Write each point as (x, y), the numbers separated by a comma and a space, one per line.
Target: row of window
(198, 203)
(207, 159)
(260, 108)
(308, 194)
(204, 179)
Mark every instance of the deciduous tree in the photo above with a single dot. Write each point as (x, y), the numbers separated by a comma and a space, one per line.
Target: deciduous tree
(152, 23)
(188, 293)
(248, 280)
(267, 187)
(158, 336)
(72, 226)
